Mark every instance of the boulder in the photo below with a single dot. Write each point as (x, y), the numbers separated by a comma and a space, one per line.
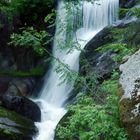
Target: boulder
(130, 95)
(101, 64)
(15, 127)
(130, 3)
(4, 82)
(22, 86)
(21, 105)
(98, 40)
(127, 3)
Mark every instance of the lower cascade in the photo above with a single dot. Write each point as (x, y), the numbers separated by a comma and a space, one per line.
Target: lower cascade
(87, 19)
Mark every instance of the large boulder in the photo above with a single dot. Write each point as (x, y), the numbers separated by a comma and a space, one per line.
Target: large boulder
(22, 86)
(130, 95)
(92, 60)
(15, 127)
(101, 64)
(21, 105)
(103, 37)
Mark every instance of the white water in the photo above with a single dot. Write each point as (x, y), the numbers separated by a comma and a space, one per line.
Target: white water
(53, 95)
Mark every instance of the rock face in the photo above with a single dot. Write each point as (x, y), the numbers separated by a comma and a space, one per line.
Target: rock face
(15, 127)
(21, 105)
(127, 3)
(102, 64)
(100, 39)
(22, 86)
(130, 98)
(13, 96)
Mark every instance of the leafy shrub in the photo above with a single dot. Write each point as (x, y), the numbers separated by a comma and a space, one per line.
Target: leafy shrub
(88, 120)
(92, 122)
(30, 12)
(121, 50)
(30, 38)
(27, 5)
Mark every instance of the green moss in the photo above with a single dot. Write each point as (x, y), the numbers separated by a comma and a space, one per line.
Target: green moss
(34, 72)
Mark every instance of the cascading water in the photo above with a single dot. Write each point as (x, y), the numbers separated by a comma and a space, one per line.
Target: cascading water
(95, 16)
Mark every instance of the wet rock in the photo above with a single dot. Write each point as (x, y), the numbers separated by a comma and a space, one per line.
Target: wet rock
(100, 39)
(4, 82)
(130, 96)
(15, 127)
(127, 3)
(127, 20)
(22, 86)
(18, 86)
(130, 3)
(21, 105)
(104, 64)
(101, 64)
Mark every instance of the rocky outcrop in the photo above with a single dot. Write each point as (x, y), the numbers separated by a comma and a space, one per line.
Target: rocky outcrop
(21, 105)
(100, 39)
(130, 95)
(15, 127)
(22, 86)
(101, 64)
(127, 3)
(94, 61)
(14, 96)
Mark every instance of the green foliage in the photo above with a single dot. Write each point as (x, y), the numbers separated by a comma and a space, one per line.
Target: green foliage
(30, 38)
(50, 18)
(120, 49)
(22, 6)
(91, 121)
(133, 11)
(122, 12)
(30, 12)
(136, 12)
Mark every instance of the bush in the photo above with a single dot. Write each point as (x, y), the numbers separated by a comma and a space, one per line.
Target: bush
(30, 38)
(88, 120)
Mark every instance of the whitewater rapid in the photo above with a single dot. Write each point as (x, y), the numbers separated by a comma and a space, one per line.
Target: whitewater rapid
(93, 17)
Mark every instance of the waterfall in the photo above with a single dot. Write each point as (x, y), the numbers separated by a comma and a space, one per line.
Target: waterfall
(88, 19)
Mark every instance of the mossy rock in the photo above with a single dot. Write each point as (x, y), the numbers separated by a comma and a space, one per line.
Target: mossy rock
(15, 127)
